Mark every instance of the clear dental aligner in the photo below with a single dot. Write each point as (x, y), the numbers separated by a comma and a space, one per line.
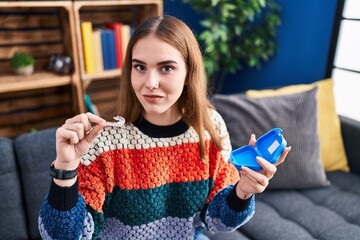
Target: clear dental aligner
(120, 122)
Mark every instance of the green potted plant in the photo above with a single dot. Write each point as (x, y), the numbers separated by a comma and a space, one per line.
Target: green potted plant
(22, 63)
(236, 33)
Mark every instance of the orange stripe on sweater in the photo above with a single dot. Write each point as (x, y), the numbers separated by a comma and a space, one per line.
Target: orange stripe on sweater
(153, 167)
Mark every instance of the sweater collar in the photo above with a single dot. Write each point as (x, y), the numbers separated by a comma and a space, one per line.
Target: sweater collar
(158, 131)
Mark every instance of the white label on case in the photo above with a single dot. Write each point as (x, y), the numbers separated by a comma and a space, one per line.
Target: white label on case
(273, 147)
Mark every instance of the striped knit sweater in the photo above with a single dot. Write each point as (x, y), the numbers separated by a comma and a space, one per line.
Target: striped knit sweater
(144, 181)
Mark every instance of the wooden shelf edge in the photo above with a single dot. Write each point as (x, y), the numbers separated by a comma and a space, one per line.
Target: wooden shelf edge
(110, 3)
(35, 81)
(106, 74)
(35, 3)
(88, 78)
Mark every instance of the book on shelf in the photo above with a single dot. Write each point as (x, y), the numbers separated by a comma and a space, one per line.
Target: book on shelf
(125, 34)
(108, 49)
(116, 27)
(89, 105)
(88, 47)
(112, 55)
(98, 56)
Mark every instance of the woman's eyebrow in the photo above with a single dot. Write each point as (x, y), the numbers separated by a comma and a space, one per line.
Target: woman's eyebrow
(166, 62)
(138, 61)
(159, 63)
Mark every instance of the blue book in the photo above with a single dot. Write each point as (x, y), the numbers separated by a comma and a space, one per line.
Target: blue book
(105, 50)
(112, 53)
(108, 48)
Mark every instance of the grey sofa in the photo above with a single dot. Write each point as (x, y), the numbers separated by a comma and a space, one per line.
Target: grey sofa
(326, 213)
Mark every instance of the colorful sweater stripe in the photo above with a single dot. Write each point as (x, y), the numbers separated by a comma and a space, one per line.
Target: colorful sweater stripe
(147, 181)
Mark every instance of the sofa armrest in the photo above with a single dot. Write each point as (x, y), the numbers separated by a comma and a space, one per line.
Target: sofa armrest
(350, 130)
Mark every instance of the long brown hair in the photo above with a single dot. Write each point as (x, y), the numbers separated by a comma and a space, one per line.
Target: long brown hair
(193, 102)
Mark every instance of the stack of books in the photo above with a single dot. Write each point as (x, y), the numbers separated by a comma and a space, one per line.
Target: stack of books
(104, 48)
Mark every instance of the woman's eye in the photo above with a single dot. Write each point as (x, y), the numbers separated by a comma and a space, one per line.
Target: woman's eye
(139, 68)
(167, 68)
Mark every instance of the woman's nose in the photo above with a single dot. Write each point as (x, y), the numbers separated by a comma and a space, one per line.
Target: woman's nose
(152, 81)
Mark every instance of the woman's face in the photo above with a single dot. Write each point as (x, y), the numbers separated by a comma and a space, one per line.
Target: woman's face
(158, 77)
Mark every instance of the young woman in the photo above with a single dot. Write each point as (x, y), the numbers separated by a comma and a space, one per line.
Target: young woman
(166, 173)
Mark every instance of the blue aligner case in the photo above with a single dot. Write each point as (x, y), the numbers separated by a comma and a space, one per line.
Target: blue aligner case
(269, 146)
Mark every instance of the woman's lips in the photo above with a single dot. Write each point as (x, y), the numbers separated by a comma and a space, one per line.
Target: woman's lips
(152, 98)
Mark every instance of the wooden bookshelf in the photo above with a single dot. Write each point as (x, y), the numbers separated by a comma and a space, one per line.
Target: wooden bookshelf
(44, 28)
(41, 29)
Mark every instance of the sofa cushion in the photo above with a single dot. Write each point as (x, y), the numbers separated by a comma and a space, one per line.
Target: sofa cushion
(13, 218)
(35, 152)
(323, 213)
(296, 114)
(331, 143)
(235, 235)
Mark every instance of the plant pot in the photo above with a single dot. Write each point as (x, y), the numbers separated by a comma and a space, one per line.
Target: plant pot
(27, 70)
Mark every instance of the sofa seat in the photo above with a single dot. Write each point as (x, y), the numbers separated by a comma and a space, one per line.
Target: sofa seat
(323, 213)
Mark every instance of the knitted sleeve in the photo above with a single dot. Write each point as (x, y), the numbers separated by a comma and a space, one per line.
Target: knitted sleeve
(224, 211)
(95, 182)
(63, 215)
(77, 211)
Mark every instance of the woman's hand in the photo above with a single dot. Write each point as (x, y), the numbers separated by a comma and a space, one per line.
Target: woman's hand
(73, 139)
(256, 182)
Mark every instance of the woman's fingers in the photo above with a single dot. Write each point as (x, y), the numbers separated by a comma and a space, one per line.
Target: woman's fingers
(256, 182)
(256, 177)
(79, 127)
(80, 123)
(66, 135)
(268, 168)
(95, 119)
(91, 135)
(252, 140)
(283, 156)
(99, 122)
(262, 177)
(86, 119)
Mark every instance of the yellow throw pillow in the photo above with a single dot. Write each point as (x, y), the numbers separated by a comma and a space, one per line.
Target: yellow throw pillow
(332, 148)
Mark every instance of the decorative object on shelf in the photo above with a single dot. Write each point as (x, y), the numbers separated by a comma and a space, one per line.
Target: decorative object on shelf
(235, 34)
(61, 64)
(22, 63)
